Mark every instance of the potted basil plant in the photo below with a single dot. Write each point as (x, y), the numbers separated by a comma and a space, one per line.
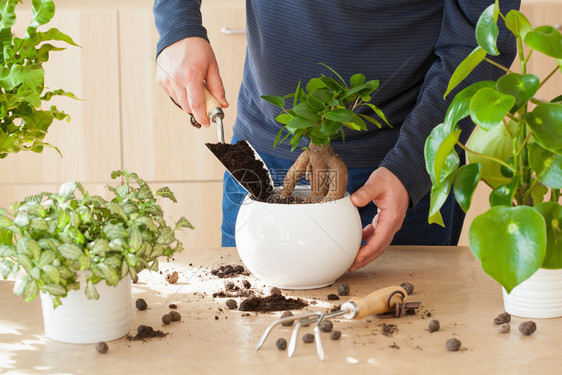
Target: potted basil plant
(517, 150)
(80, 252)
(320, 246)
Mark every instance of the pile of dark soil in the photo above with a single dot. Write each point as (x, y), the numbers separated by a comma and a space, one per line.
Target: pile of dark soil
(228, 271)
(146, 332)
(276, 302)
(240, 161)
(388, 329)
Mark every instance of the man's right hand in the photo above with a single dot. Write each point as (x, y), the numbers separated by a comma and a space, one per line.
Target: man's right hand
(183, 68)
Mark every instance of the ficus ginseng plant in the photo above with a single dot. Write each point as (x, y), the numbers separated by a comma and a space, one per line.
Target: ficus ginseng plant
(23, 121)
(516, 149)
(320, 111)
(49, 237)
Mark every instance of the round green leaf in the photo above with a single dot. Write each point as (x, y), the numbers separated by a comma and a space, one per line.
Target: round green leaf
(465, 67)
(487, 30)
(517, 23)
(445, 149)
(510, 243)
(547, 165)
(460, 106)
(488, 107)
(465, 183)
(522, 87)
(552, 213)
(432, 145)
(545, 39)
(503, 195)
(546, 123)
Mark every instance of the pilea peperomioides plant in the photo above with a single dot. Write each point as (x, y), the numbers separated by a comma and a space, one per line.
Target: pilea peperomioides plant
(320, 112)
(516, 149)
(23, 121)
(50, 237)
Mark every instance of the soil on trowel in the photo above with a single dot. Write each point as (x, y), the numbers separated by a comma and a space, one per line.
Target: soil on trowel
(146, 332)
(240, 161)
(275, 302)
(228, 271)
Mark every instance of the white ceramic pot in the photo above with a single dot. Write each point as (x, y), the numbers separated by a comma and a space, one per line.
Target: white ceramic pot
(298, 246)
(540, 296)
(79, 320)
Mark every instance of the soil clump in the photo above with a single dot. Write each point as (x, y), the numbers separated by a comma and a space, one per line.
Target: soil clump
(275, 302)
(388, 329)
(146, 332)
(229, 270)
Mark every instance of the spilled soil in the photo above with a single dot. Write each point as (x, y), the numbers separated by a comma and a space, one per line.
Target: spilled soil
(275, 302)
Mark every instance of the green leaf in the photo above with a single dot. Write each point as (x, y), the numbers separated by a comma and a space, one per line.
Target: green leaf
(517, 23)
(545, 39)
(110, 274)
(284, 118)
(52, 272)
(22, 247)
(84, 262)
(166, 236)
(70, 251)
(546, 123)
(341, 115)
(379, 112)
(7, 251)
(503, 195)
(372, 120)
(297, 94)
(547, 165)
(522, 87)
(552, 213)
(460, 106)
(67, 189)
(30, 290)
(322, 96)
(488, 107)
(432, 145)
(357, 80)
(184, 223)
(314, 85)
(299, 123)
(135, 240)
(465, 67)
(43, 11)
(510, 243)
(114, 231)
(91, 292)
(303, 110)
(333, 71)
(487, 30)
(332, 84)
(116, 209)
(54, 289)
(100, 247)
(314, 103)
(47, 257)
(275, 100)
(464, 184)
(5, 268)
(144, 192)
(445, 149)
(165, 192)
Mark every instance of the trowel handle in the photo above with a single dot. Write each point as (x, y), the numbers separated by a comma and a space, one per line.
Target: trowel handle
(378, 302)
(212, 106)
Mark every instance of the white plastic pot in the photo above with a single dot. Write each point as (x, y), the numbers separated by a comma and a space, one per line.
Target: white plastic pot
(540, 296)
(298, 246)
(79, 320)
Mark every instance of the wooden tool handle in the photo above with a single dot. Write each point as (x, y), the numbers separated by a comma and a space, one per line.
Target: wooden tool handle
(378, 303)
(211, 103)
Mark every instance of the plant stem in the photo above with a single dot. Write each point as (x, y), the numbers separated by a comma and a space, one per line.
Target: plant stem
(524, 143)
(498, 65)
(486, 157)
(533, 184)
(521, 54)
(554, 195)
(548, 76)
(507, 129)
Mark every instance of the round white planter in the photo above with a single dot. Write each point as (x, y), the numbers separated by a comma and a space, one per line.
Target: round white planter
(298, 246)
(540, 296)
(79, 320)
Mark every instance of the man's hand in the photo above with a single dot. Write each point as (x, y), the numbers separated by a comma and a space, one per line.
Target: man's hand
(182, 70)
(392, 200)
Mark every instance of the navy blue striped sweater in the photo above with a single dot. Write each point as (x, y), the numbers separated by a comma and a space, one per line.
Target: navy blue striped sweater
(410, 46)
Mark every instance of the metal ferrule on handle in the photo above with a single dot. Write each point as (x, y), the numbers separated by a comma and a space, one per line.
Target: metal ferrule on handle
(215, 113)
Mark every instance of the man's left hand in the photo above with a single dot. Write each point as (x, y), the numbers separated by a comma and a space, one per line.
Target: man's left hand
(390, 196)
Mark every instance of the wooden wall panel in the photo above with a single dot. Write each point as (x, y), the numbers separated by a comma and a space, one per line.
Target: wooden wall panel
(91, 142)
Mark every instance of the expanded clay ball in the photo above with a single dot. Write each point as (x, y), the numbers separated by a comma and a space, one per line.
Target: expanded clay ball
(527, 328)
(290, 322)
(343, 289)
(101, 347)
(453, 345)
(408, 287)
(326, 326)
(335, 335)
(141, 304)
(275, 291)
(308, 338)
(176, 317)
(231, 304)
(504, 328)
(166, 319)
(172, 278)
(434, 326)
(281, 344)
(502, 318)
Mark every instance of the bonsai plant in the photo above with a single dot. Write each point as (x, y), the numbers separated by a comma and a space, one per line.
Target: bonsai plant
(516, 150)
(52, 236)
(23, 122)
(320, 112)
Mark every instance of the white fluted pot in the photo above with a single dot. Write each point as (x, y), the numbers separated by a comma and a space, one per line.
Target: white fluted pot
(79, 320)
(540, 296)
(298, 246)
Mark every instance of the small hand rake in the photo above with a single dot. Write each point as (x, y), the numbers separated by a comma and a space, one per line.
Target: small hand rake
(386, 302)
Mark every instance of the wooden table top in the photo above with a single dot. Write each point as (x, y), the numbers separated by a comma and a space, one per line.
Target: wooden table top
(210, 338)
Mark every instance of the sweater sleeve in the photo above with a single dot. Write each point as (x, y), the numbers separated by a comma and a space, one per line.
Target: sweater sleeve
(176, 20)
(456, 40)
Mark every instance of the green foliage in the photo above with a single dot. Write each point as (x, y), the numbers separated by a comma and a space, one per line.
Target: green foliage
(324, 107)
(516, 149)
(25, 117)
(54, 235)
